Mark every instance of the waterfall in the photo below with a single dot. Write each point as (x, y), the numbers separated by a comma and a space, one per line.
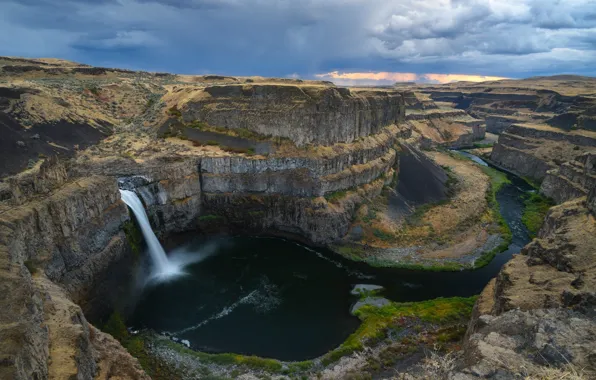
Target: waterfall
(162, 267)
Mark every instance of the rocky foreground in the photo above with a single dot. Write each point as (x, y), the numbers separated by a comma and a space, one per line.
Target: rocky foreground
(289, 158)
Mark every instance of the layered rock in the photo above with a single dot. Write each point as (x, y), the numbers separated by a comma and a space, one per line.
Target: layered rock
(532, 150)
(439, 124)
(304, 114)
(540, 310)
(572, 179)
(60, 238)
(169, 186)
(565, 102)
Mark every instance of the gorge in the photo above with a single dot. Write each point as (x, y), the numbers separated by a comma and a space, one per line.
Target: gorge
(284, 205)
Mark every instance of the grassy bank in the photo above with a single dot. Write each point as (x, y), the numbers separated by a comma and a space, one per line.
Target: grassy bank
(396, 330)
(497, 181)
(356, 252)
(418, 231)
(536, 208)
(379, 322)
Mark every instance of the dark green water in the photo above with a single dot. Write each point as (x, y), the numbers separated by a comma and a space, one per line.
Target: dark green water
(275, 298)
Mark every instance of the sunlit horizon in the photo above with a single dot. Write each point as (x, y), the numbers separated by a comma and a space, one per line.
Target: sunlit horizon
(385, 77)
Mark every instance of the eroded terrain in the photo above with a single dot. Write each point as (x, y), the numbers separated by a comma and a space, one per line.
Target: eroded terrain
(329, 166)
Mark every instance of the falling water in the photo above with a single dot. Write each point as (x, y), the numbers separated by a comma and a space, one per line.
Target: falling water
(162, 267)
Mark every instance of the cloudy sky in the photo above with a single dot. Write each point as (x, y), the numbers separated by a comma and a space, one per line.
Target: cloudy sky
(348, 41)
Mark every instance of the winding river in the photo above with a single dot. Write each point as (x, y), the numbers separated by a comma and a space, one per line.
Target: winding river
(275, 298)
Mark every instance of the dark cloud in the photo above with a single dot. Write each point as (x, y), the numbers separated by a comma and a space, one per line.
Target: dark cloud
(287, 37)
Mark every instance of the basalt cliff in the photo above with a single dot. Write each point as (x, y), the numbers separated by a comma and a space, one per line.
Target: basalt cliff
(302, 159)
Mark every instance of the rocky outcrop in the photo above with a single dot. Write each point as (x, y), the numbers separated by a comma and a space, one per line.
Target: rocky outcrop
(541, 309)
(168, 185)
(572, 179)
(591, 201)
(59, 237)
(441, 126)
(314, 220)
(304, 114)
(532, 150)
(541, 344)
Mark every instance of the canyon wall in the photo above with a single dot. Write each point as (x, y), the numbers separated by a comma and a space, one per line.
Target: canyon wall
(305, 114)
(439, 125)
(539, 311)
(65, 234)
(61, 243)
(532, 150)
(572, 179)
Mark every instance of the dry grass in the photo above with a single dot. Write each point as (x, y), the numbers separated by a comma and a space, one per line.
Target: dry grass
(569, 372)
(437, 366)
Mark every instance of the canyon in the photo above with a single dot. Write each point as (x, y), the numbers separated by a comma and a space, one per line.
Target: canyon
(327, 166)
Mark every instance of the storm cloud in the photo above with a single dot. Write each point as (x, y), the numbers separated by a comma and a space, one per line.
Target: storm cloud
(505, 38)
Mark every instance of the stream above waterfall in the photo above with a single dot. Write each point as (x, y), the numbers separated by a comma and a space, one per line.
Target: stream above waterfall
(275, 298)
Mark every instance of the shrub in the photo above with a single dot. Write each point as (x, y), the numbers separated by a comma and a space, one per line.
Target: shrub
(133, 236)
(115, 327)
(174, 111)
(210, 217)
(383, 235)
(30, 267)
(336, 196)
(536, 208)
(247, 151)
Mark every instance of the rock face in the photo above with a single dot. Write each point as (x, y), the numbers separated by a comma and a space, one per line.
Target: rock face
(572, 179)
(532, 150)
(541, 309)
(303, 114)
(441, 125)
(62, 239)
(59, 237)
(63, 244)
(169, 187)
(559, 101)
(542, 122)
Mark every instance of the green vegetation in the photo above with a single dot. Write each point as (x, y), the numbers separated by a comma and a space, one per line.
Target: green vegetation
(451, 182)
(174, 111)
(415, 219)
(196, 124)
(135, 345)
(481, 146)
(383, 235)
(358, 253)
(30, 266)
(212, 142)
(115, 327)
(335, 196)
(209, 218)
(535, 211)
(378, 321)
(93, 88)
(442, 320)
(370, 215)
(497, 181)
(247, 151)
(150, 103)
(127, 155)
(252, 362)
(298, 367)
(535, 184)
(365, 293)
(133, 236)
